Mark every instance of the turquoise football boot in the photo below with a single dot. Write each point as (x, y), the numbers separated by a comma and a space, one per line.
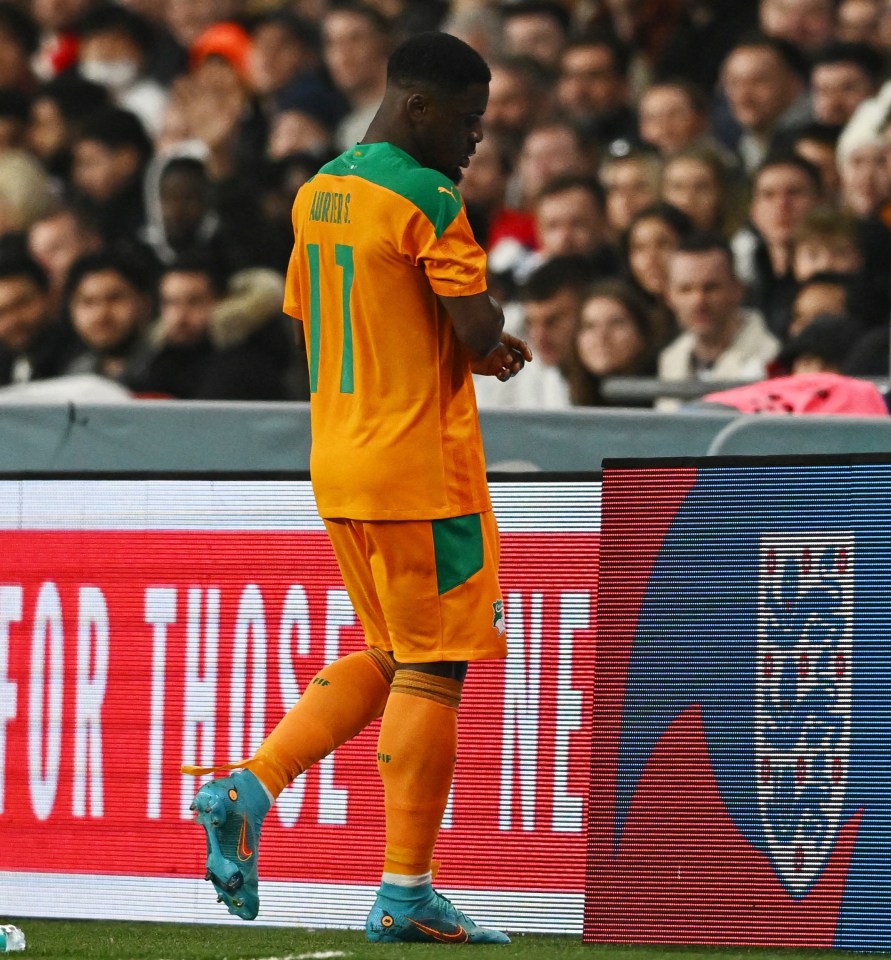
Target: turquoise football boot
(231, 810)
(421, 915)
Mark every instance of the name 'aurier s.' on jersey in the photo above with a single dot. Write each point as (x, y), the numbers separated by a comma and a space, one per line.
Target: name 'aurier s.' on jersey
(394, 421)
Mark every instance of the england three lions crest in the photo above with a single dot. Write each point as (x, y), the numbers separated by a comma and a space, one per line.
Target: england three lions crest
(803, 698)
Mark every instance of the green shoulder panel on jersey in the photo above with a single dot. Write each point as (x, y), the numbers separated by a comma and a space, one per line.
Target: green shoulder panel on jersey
(393, 169)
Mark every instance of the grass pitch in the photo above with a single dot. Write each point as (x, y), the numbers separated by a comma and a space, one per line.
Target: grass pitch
(107, 940)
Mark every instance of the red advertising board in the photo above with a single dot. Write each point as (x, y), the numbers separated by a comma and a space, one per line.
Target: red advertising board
(135, 638)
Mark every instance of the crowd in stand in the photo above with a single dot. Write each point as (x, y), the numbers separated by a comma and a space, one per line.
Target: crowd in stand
(681, 189)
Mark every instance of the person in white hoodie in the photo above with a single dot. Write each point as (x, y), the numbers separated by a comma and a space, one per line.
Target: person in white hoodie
(719, 340)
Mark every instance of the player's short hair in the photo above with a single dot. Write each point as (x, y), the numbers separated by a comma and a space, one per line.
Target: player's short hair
(439, 60)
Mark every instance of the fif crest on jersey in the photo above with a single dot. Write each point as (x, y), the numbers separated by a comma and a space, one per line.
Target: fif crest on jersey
(803, 698)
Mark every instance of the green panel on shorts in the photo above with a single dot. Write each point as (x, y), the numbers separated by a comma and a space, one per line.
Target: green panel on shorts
(458, 546)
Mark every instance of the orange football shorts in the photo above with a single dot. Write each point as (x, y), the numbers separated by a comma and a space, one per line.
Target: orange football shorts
(427, 590)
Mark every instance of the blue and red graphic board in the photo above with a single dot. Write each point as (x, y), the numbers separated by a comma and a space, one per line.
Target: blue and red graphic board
(742, 719)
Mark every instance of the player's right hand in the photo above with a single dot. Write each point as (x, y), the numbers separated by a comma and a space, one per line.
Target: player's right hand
(506, 360)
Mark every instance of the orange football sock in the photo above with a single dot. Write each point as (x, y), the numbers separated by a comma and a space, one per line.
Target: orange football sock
(341, 701)
(416, 762)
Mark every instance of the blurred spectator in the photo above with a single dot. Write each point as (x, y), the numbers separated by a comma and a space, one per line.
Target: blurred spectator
(279, 181)
(356, 41)
(551, 297)
(806, 23)
(826, 239)
(25, 191)
(593, 90)
(33, 344)
(300, 128)
(843, 75)
(646, 26)
(110, 154)
(19, 39)
(857, 21)
(869, 355)
(762, 79)
(187, 20)
(673, 114)
(217, 105)
(695, 180)
(414, 16)
(479, 26)
(167, 57)
(822, 392)
(114, 50)
(550, 149)
(57, 21)
(786, 187)
(183, 361)
(862, 157)
(110, 297)
(286, 72)
(15, 113)
(519, 95)
(719, 339)
(614, 338)
(484, 188)
(822, 346)
(654, 234)
(705, 33)
(538, 29)
(55, 240)
(58, 111)
(631, 183)
(819, 294)
(187, 214)
(816, 142)
(570, 218)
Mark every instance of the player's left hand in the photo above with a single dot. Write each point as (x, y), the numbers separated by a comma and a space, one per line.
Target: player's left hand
(506, 360)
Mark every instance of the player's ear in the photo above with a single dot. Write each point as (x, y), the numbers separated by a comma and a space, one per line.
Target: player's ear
(417, 106)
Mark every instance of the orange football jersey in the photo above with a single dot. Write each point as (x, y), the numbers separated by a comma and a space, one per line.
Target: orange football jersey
(394, 421)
